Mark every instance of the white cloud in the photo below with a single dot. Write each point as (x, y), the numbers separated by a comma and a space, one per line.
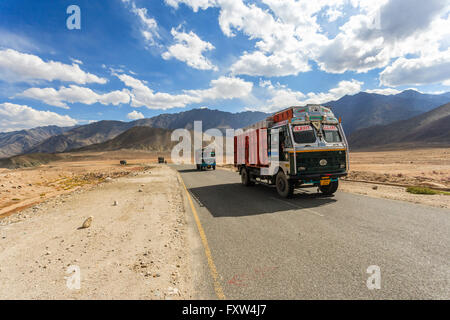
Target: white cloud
(222, 88)
(333, 14)
(275, 65)
(424, 70)
(189, 48)
(16, 66)
(194, 4)
(380, 33)
(383, 91)
(402, 18)
(11, 40)
(277, 52)
(17, 117)
(135, 115)
(75, 94)
(149, 26)
(281, 96)
(344, 88)
(289, 35)
(76, 61)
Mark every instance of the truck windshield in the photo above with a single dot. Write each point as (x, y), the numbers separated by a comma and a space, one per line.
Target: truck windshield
(303, 134)
(331, 134)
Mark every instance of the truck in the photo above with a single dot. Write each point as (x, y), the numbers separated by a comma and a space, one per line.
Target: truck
(298, 147)
(205, 159)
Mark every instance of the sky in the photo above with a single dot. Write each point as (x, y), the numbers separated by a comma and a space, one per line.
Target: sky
(130, 59)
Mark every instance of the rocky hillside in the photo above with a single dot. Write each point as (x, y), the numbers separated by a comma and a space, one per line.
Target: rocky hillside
(136, 138)
(429, 129)
(18, 142)
(364, 110)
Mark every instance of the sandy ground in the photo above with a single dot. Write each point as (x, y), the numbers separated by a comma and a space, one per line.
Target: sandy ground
(394, 193)
(419, 167)
(133, 250)
(23, 188)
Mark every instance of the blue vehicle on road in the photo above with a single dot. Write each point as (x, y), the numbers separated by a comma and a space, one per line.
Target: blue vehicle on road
(205, 159)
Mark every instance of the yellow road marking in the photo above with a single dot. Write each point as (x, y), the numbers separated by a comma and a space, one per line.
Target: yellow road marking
(212, 267)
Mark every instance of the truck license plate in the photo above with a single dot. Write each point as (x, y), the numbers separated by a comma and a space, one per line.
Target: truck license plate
(324, 182)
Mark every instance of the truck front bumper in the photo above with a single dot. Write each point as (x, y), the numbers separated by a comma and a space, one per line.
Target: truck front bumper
(314, 178)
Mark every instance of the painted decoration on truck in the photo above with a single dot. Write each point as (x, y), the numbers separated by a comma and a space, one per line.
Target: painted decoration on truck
(299, 112)
(330, 128)
(302, 128)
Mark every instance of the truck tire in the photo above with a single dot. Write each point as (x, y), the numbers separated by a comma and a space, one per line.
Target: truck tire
(285, 188)
(245, 177)
(329, 189)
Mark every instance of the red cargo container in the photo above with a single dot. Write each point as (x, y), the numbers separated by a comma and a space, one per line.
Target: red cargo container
(250, 148)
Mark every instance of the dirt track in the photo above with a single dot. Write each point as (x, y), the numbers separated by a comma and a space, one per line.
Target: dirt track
(133, 250)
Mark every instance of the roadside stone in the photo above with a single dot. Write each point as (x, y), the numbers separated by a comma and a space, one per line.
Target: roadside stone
(87, 223)
(172, 291)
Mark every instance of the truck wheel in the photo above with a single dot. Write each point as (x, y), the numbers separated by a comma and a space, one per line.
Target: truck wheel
(245, 178)
(285, 187)
(329, 189)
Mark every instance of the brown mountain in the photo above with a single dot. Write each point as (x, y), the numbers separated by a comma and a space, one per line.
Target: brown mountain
(18, 142)
(364, 110)
(136, 138)
(429, 129)
(81, 136)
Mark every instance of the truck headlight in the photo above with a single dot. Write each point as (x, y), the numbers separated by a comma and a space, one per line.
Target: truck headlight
(301, 168)
(342, 165)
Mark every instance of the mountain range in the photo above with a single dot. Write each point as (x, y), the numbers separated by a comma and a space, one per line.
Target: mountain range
(136, 138)
(358, 111)
(425, 130)
(364, 109)
(101, 131)
(17, 142)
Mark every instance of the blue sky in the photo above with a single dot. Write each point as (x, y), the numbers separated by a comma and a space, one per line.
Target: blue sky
(136, 58)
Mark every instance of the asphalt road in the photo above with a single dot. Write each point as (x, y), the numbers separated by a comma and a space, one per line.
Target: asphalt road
(317, 247)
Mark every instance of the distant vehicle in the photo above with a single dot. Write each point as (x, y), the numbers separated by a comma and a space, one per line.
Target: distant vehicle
(123, 162)
(297, 147)
(205, 159)
(161, 160)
